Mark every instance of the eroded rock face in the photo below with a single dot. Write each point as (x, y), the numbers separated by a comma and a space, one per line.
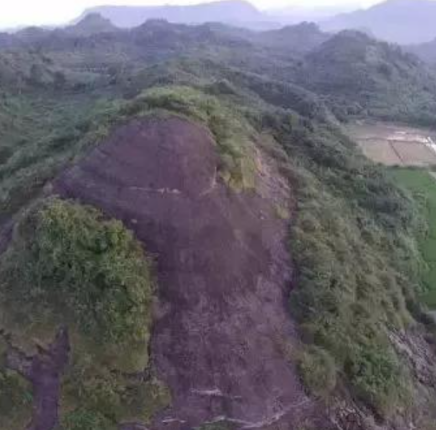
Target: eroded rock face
(223, 272)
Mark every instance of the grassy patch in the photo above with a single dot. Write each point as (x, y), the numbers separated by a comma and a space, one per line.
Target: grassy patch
(109, 395)
(423, 188)
(84, 419)
(318, 371)
(38, 137)
(15, 401)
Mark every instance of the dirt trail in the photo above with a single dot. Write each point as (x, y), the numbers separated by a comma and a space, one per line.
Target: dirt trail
(223, 272)
(44, 371)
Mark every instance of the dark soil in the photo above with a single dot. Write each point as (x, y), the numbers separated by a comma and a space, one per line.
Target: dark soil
(222, 334)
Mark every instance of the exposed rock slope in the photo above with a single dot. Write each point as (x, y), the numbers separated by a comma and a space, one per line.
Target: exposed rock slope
(223, 271)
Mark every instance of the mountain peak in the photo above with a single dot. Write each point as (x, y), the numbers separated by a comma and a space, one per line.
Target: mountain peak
(91, 23)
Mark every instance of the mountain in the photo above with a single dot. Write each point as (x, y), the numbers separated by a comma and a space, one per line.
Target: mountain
(92, 23)
(426, 51)
(189, 239)
(399, 21)
(227, 11)
(297, 38)
(375, 76)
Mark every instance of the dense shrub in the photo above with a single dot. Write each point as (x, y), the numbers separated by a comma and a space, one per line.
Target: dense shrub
(85, 420)
(365, 77)
(69, 262)
(358, 265)
(318, 371)
(108, 396)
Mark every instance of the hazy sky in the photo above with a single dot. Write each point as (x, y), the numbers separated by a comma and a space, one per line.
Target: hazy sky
(26, 12)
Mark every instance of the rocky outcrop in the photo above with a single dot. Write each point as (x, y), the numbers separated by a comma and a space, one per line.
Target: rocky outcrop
(224, 272)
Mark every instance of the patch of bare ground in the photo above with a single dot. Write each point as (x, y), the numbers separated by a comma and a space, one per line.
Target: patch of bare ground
(224, 273)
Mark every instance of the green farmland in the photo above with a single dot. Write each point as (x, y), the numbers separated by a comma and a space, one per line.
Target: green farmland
(423, 188)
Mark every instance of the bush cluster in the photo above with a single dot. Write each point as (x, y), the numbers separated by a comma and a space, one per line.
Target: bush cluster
(353, 243)
(89, 270)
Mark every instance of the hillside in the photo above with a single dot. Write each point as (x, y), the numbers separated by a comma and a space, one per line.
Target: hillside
(227, 11)
(299, 38)
(425, 51)
(358, 73)
(190, 240)
(399, 21)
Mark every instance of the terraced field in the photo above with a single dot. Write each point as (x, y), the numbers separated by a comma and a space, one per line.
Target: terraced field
(395, 145)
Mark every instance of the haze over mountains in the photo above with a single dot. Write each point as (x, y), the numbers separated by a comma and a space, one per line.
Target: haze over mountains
(399, 21)
(405, 22)
(221, 11)
(300, 13)
(239, 12)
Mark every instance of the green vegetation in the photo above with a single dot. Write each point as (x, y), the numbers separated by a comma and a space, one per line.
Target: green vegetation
(100, 396)
(67, 262)
(85, 420)
(361, 76)
(318, 371)
(68, 265)
(423, 188)
(15, 401)
(358, 266)
(37, 138)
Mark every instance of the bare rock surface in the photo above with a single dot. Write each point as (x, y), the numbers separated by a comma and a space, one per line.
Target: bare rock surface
(224, 273)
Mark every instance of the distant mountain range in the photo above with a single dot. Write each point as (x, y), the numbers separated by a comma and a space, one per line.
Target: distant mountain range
(400, 21)
(230, 11)
(297, 14)
(407, 22)
(237, 12)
